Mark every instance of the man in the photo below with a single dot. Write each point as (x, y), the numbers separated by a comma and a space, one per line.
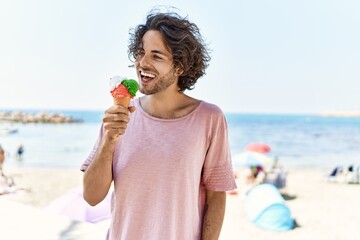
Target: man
(169, 159)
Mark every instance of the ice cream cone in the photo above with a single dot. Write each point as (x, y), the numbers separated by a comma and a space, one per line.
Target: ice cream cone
(123, 101)
(123, 90)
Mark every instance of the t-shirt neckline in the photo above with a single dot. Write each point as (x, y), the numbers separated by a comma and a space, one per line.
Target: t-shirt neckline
(142, 111)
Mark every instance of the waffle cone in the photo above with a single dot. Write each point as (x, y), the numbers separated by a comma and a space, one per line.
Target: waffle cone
(123, 101)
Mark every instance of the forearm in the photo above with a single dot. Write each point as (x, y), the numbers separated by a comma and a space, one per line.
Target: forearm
(98, 176)
(214, 215)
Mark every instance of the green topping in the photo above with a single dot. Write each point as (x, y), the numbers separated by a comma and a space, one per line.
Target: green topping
(131, 85)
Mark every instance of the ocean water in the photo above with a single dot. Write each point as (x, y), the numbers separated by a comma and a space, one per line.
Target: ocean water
(297, 140)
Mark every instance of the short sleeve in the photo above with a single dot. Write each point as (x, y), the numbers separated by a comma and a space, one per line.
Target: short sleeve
(217, 171)
(91, 156)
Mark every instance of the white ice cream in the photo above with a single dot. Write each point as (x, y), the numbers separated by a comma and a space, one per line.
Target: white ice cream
(115, 81)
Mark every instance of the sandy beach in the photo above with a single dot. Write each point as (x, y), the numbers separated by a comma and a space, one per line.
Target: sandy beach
(322, 210)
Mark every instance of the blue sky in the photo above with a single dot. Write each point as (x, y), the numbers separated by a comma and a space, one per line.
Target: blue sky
(267, 56)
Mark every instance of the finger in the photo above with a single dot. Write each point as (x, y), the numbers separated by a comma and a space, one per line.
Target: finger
(114, 132)
(117, 109)
(116, 118)
(115, 125)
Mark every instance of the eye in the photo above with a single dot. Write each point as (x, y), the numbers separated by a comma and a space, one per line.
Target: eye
(157, 57)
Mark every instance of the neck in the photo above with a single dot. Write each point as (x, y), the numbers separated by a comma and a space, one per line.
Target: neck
(162, 106)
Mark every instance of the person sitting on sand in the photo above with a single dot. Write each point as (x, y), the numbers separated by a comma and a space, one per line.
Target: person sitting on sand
(7, 184)
(255, 175)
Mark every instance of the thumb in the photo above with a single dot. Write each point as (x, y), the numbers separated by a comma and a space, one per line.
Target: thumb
(132, 109)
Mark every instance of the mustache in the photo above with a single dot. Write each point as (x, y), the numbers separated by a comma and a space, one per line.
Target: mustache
(141, 68)
(146, 69)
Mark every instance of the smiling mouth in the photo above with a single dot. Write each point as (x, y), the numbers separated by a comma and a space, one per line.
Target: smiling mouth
(146, 77)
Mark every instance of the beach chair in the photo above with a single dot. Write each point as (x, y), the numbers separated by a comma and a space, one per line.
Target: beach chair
(352, 175)
(277, 177)
(334, 174)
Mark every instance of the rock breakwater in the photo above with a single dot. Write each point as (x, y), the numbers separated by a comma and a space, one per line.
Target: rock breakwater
(41, 117)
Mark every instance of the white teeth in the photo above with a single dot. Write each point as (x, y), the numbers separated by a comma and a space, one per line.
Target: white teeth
(147, 75)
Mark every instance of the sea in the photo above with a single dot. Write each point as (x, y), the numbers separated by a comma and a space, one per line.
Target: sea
(296, 140)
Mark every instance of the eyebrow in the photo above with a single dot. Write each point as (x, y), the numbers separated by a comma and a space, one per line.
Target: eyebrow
(160, 52)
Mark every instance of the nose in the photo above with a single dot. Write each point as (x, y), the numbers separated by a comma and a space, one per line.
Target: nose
(142, 60)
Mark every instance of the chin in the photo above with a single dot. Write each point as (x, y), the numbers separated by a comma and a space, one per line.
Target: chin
(144, 91)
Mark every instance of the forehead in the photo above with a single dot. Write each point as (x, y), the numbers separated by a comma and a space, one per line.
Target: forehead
(154, 41)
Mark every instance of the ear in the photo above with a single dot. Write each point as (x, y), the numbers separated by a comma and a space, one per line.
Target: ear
(179, 71)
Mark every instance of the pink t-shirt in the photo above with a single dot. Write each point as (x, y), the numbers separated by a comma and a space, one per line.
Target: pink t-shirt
(161, 169)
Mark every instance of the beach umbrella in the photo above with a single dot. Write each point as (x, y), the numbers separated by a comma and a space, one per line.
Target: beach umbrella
(73, 206)
(258, 147)
(251, 159)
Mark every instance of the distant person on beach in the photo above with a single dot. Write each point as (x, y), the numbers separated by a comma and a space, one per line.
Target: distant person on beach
(2, 160)
(168, 154)
(20, 152)
(255, 175)
(6, 182)
(2, 157)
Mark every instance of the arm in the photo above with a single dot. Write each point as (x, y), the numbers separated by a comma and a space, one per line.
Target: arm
(260, 178)
(98, 176)
(214, 215)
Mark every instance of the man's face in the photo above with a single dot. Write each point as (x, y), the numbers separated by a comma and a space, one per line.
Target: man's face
(154, 64)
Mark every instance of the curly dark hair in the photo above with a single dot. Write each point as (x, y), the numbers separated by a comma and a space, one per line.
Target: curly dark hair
(184, 41)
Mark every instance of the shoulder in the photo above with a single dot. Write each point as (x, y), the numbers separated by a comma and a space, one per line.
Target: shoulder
(211, 114)
(210, 108)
